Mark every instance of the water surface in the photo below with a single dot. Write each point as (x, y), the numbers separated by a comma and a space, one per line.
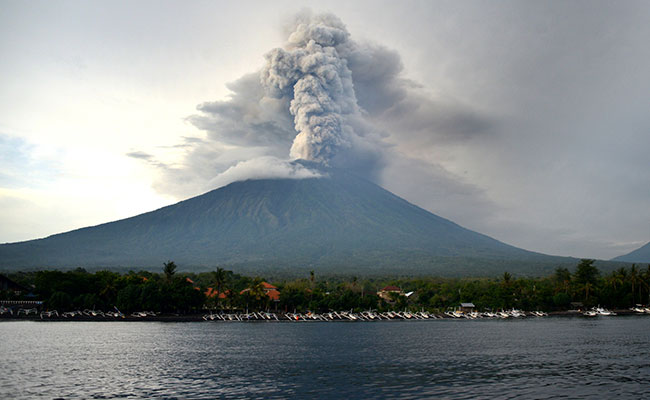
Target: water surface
(532, 358)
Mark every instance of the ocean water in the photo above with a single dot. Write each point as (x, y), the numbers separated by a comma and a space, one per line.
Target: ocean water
(541, 358)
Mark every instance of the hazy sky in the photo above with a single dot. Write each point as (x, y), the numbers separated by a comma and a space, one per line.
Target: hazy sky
(526, 121)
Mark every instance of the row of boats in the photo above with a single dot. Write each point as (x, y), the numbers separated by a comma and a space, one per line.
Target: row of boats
(503, 314)
(370, 315)
(73, 314)
(596, 311)
(365, 316)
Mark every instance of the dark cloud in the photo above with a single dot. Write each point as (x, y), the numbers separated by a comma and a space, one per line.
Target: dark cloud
(140, 155)
(247, 118)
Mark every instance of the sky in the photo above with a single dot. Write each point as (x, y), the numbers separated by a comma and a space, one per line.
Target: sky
(525, 121)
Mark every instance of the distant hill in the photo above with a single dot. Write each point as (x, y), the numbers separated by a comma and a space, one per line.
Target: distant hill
(640, 255)
(335, 224)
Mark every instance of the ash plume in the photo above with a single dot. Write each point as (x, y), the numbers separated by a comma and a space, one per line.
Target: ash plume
(322, 97)
(313, 72)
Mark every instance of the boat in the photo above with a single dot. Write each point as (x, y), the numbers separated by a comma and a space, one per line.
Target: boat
(602, 311)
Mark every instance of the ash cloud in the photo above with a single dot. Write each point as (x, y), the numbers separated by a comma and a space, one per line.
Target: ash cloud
(313, 73)
(263, 168)
(321, 97)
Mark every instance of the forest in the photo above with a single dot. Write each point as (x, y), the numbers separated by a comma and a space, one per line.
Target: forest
(172, 292)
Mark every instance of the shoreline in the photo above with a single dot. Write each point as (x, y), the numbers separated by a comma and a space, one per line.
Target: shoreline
(281, 317)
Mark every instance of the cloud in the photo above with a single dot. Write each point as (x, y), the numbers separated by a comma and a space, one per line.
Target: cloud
(247, 118)
(322, 97)
(140, 155)
(25, 164)
(263, 168)
(527, 121)
(514, 126)
(313, 73)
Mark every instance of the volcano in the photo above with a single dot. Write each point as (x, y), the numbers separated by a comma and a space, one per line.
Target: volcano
(337, 223)
(640, 255)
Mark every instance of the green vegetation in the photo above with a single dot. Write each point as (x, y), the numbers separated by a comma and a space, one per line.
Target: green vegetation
(175, 292)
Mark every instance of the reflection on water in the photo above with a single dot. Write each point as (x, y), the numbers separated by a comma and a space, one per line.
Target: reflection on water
(533, 358)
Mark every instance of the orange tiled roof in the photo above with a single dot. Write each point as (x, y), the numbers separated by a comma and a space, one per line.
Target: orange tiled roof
(268, 285)
(212, 292)
(273, 295)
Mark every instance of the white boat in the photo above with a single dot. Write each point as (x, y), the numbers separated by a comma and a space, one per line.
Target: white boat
(603, 311)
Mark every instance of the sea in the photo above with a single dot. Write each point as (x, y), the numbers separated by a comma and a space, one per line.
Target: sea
(532, 358)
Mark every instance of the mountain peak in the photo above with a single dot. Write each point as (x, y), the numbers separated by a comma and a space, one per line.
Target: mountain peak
(640, 255)
(339, 223)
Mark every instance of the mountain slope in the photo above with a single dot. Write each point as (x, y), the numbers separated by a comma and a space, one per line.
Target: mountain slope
(640, 255)
(339, 222)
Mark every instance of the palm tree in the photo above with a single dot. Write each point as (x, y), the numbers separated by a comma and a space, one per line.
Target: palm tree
(219, 281)
(587, 288)
(634, 280)
(506, 278)
(169, 270)
(618, 277)
(562, 279)
(311, 285)
(258, 294)
(646, 278)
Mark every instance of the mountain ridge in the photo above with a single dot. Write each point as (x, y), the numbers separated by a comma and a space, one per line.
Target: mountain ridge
(640, 255)
(336, 220)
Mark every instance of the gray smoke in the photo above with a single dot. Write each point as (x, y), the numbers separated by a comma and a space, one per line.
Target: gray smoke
(314, 74)
(349, 101)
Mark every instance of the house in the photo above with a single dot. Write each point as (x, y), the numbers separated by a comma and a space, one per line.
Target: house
(273, 294)
(271, 291)
(191, 282)
(268, 287)
(467, 307)
(389, 292)
(9, 285)
(211, 292)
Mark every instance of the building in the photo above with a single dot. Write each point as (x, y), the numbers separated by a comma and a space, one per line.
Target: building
(271, 291)
(389, 292)
(212, 293)
(7, 284)
(467, 307)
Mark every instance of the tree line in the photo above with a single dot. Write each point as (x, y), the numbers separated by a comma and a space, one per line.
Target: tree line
(182, 293)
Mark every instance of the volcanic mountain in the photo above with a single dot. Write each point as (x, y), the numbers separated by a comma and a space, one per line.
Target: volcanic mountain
(640, 255)
(337, 223)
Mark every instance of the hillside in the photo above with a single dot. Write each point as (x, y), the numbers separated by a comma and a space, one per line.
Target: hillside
(339, 223)
(640, 255)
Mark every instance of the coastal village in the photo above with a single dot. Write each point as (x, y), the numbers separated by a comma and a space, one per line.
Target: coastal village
(229, 297)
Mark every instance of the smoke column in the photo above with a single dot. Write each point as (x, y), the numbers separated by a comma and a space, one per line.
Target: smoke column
(313, 74)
